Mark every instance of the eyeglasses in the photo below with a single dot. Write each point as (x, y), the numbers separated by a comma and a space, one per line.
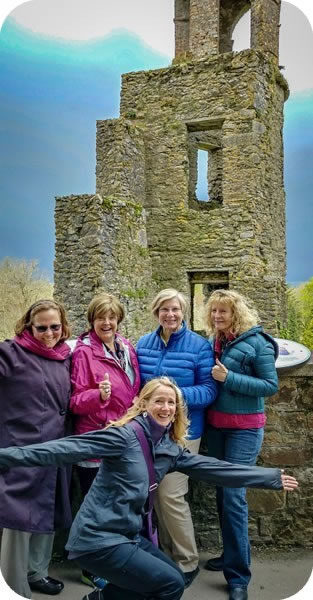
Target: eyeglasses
(44, 328)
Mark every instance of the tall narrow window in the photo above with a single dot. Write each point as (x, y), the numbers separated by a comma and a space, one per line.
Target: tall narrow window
(202, 193)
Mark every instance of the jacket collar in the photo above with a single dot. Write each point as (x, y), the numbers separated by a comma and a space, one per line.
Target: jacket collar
(174, 336)
(153, 431)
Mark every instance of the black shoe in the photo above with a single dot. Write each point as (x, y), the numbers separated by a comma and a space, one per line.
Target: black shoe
(215, 564)
(47, 585)
(190, 576)
(238, 593)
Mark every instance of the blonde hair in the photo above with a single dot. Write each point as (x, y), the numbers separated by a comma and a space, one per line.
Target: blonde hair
(168, 294)
(244, 317)
(26, 321)
(178, 431)
(102, 304)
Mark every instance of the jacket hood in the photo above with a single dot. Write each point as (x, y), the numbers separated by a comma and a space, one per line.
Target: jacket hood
(258, 329)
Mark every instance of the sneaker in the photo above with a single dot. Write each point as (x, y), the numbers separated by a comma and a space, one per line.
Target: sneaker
(189, 576)
(93, 580)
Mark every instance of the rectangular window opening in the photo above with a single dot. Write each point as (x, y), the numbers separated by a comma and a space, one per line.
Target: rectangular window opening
(202, 284)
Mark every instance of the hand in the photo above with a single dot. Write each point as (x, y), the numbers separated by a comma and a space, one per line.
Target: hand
(219, 372)
(105, 387)
(289, 483)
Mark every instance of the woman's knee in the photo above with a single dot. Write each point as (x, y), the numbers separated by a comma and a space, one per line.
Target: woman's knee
(174, 588)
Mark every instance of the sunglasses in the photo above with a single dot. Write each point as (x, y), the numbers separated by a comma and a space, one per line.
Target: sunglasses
(44, 328)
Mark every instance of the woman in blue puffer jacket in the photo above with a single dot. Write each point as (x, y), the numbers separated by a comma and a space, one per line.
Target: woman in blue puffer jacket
(186, 357)
(245, 372)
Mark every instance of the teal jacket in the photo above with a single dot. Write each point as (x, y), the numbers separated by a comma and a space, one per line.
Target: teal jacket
(250, 360)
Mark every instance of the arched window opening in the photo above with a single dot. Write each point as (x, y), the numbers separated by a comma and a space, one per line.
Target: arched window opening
(242, 33)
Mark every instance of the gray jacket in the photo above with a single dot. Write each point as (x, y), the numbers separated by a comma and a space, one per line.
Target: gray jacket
(113, 508)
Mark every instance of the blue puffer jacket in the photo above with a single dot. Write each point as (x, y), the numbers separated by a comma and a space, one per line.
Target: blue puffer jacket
(188, 359)
(250, 360)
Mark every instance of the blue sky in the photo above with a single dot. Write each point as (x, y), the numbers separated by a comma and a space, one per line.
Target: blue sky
(61, 75)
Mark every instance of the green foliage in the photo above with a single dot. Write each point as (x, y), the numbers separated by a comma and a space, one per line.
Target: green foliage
(21, 284)
(299, 325)
(306, 298)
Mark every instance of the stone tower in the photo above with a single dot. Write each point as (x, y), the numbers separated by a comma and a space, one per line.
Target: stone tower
(147, 228)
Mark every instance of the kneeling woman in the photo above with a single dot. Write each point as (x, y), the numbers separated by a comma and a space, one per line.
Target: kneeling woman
(106, 534)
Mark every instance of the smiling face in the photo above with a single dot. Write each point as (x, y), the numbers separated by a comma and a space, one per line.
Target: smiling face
(47, 327)
(170, 315)
(106, 327)
(222, 317)
(162, 405)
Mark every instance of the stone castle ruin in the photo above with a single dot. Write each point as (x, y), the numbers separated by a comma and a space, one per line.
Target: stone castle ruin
(147, 227)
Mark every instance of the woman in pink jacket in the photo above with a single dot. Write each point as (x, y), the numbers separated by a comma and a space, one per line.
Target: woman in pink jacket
(105, 379)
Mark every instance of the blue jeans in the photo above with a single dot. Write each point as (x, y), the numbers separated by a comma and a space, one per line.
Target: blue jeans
(240, 446)
(136, 571)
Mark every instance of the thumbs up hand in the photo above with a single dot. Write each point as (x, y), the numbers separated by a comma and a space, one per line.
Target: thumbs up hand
(219, 372)
(105, 387)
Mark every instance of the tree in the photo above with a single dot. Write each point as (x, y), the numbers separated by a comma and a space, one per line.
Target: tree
(306, 298)
(21, 284)
(293, 329)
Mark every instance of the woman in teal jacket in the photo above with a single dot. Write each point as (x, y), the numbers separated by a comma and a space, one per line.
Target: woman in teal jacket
(106, 536)
(245, 372)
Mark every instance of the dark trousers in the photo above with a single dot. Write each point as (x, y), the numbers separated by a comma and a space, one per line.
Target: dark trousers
(135, 571)
(240, 446)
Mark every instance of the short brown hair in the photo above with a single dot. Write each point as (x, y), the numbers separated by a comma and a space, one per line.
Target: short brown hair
(26, 321)
(102, 304)
(168, 294)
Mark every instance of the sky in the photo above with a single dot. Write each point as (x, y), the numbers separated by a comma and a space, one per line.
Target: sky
(61, 67)
(49, 48)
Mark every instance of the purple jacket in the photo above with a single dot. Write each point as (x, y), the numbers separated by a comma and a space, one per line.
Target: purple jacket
(34, 397)
(89, 364)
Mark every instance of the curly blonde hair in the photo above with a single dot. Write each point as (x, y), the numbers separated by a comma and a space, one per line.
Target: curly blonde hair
(180, 425)
(245, 315)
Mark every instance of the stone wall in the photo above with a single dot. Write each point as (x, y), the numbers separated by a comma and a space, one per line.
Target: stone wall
(278, 518)
(101, 245)
(231, 106)
(205, 27)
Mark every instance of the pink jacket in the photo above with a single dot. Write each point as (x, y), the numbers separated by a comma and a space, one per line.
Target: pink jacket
(89, 364)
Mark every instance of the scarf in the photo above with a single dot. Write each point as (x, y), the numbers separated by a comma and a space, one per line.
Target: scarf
(220, 344)
(60, 351)
(119, 353)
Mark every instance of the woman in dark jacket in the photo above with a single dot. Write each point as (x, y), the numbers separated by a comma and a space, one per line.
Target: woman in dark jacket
(182, 354)
(245, 372)
(35, 393)
(106, 534)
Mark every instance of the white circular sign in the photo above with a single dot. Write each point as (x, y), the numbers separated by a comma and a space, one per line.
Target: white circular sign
(291, 354)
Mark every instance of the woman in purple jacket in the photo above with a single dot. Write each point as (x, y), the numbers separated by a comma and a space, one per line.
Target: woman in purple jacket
(105, 380)
(34, 397)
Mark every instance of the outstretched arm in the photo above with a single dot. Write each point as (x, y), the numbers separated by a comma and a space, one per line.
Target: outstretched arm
(72, 449)
(218, 472)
